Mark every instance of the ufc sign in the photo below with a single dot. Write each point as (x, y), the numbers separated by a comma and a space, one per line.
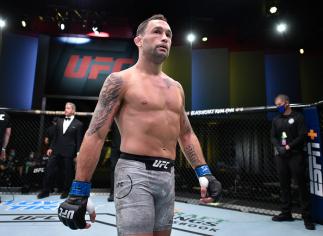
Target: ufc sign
(2, 117)
(66, 213)
(89, 67)
(160, 164)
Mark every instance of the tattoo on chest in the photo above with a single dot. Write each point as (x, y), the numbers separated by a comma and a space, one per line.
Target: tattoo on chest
(191, 154)
(108, 99)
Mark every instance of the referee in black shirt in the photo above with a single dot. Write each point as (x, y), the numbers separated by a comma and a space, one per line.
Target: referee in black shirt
(288, 135)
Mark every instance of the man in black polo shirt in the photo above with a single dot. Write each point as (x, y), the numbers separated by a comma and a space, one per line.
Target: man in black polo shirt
(288, 135)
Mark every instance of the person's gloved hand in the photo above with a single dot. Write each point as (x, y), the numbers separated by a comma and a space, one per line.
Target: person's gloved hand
(72, 211)
(211, 188)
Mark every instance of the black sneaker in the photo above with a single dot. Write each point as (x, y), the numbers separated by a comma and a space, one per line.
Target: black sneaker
(43, 194)
(309, 224)
(283, 217)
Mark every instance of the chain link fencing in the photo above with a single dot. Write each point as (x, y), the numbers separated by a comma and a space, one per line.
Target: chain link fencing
(235, 142)
(237, 148)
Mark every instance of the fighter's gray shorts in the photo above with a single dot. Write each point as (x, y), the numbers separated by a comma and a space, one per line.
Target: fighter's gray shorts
(144, 194)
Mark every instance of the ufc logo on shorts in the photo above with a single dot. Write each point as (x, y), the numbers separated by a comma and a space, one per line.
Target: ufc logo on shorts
(160, 164)
(315, 169)
(66, 213)
(2, 117)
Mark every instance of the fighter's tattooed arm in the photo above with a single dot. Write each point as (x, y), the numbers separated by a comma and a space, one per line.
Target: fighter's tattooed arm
(188, 140)
(109, 100)
(108, 105)
(191, 154)
(186, 127)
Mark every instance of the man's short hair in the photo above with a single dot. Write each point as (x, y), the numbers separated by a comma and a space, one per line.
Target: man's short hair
(143, 25)
(72, 105)
(283, 97)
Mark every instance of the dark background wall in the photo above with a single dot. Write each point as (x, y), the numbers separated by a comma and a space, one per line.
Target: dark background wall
(247, 84)
(210, 83)
(311, 75)
(17, 70)
(282, 76)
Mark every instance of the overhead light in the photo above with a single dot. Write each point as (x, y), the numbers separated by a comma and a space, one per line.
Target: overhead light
(99, 34)
(204, 39)
(301, 51)
(62, 26)
(273, 9)
(23, 23)
(74, 40)
(2, 23)
(281, 28)
(191, 37)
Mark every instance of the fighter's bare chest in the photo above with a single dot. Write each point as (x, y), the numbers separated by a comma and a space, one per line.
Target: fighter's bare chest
(154, 96)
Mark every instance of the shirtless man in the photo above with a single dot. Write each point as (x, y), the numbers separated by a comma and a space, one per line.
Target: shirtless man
(149, 109)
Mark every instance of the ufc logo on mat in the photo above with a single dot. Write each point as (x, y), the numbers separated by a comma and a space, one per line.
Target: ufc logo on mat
(160, 164)
(66, 213)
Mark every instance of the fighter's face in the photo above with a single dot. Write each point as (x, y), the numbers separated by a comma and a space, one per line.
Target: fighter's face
(156, 40)
(69, 111)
